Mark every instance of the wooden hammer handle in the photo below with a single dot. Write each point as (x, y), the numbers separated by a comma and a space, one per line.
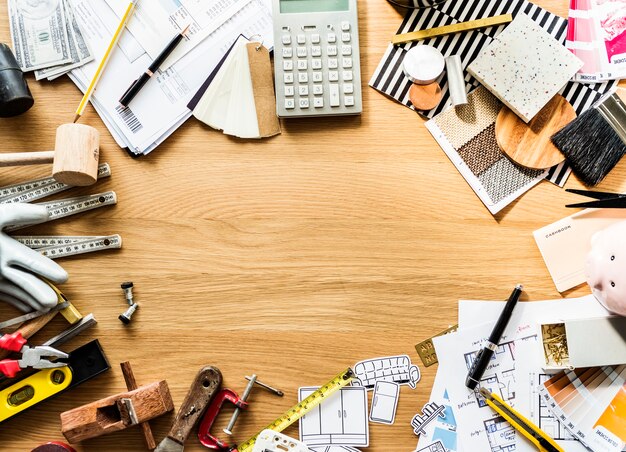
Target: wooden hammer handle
(26, 158)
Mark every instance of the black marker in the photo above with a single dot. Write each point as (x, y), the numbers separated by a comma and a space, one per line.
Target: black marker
(136, 86)
(484, 356)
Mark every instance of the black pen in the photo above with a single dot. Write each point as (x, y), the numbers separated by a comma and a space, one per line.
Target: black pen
(481, 361)
(136, 86)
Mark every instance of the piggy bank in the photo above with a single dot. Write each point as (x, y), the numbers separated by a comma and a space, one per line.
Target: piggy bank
(606, 267)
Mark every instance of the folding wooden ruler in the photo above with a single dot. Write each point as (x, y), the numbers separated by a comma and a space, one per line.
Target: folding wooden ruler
(71, 206)
(40, 188)
(59, 246)
(56, 247)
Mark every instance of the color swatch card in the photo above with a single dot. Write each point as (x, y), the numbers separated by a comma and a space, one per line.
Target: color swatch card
(238, 97)
(467, 136)
(564, 245)
(389, 79)
(524, 67)
(591, 403)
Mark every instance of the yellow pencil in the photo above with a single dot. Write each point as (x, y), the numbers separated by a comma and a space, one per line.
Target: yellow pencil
(105, 59)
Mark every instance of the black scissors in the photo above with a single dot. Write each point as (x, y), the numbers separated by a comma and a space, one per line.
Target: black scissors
(604, 199)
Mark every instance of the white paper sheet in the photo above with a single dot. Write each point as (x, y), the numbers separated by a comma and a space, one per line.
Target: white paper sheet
(161, 106)
(154, 23)
(526, 314)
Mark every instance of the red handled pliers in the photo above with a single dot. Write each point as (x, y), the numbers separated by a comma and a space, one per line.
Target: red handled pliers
(31, 356)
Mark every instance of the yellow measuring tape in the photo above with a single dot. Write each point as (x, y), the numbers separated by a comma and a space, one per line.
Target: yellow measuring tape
(297, 411)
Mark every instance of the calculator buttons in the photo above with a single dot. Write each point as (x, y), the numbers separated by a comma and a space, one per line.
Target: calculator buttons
(304, 103)
(303, 77)
(347, 75)
(345, 37)
(316, 51)
(301, 52)
(345, 25)
(333, 76)
(302, 65)
(331, 37)
(303, 90)
(318, 102)
(286, 40)
(334, 94)
(317, 77)
(346, 63)
(288, 77)
(318, 90)
(348, 88)
(332, 63)
(289, 91)
(348, 101)
(290, 104)
(316, 63)
(346, 50)
(287, 65)
(301, 39)
(331, 50)
(315, 38)
(287, 52)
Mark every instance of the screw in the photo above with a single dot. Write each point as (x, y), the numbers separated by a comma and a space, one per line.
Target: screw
(278, 392)
(126, 316)
(128, 292)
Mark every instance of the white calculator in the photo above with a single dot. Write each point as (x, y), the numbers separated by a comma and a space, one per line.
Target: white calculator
(316, 58)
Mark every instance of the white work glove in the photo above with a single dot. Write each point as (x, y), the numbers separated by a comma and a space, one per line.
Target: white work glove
(20, 265)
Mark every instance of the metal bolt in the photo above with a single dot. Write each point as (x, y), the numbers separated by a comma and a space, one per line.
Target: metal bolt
(128, 292)
(278, 392)
(252, 381)
(126, 316)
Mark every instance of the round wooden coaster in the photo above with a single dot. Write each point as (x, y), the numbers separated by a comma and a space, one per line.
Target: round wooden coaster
(425, 97)
(529, 144)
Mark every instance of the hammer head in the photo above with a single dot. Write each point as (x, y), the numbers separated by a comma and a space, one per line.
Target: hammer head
(76, 155)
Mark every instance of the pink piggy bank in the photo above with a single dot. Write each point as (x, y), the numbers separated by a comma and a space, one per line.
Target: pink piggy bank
(606, 267)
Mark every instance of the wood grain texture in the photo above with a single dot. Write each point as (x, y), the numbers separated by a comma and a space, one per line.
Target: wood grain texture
(260, 256)
(529, 144)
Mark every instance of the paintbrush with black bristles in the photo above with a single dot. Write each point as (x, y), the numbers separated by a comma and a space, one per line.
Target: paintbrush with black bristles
(594, 142)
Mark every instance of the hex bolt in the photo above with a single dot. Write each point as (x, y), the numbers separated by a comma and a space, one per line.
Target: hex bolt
(127, 315)
(128, 292)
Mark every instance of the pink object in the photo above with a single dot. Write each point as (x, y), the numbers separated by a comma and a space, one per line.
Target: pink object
(606, 267)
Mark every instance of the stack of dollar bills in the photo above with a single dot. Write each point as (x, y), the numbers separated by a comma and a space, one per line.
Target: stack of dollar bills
(46, 37)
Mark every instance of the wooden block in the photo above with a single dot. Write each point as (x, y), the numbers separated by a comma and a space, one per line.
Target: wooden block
(108, 415)
(529, 144)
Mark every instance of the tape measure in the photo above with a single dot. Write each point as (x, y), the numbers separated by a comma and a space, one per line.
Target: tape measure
(57, 246)
(40, 188)
(297, 411)
(71, 206)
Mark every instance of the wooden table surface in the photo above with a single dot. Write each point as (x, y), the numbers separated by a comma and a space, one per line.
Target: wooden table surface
(293, 257)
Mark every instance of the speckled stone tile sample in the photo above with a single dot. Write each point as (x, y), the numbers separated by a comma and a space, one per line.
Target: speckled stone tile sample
(524, 67)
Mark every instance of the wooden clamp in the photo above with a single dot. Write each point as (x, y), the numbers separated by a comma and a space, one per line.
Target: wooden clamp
(116, 412)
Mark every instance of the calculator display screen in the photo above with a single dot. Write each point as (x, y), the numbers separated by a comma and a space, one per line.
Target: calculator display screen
(313, 6)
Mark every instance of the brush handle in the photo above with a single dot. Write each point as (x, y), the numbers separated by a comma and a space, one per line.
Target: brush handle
(26, 158)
